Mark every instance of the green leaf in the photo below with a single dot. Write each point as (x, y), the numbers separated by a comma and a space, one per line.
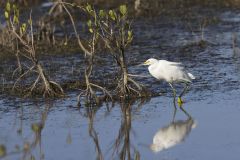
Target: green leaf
(123, 9)
(90, 30)
(8, 7)
(101, 13)
(89, 23)
(15, 19)
(6, 14)
(130, 36)
(30, 22)
(74, 5)
(14, 7)
(112, 14)
(97, 35)
(16, 12)
(24, 26)
(89, 8)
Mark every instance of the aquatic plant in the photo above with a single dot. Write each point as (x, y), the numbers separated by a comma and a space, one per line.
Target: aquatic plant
(113, 28)
(116, 33)
(24, 33)
(8, 39)
(89, 51)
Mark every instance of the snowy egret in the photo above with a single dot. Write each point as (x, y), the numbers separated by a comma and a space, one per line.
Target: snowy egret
(171, 72)
(172, 134)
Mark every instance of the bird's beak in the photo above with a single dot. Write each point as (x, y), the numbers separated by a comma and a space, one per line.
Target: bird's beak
(145, 63)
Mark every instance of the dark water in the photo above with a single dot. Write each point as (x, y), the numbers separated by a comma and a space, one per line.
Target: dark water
(127, 129)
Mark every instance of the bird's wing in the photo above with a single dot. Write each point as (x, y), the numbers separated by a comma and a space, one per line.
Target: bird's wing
(174, 71)
(171, 63)
(176, 64)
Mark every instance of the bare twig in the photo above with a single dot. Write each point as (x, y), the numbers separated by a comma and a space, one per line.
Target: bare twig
(75, 30)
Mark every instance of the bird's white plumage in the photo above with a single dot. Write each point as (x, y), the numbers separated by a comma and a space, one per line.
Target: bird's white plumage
(168, 71)
(172, 135)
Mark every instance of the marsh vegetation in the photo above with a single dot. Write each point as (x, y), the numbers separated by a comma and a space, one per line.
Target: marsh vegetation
(108, 33)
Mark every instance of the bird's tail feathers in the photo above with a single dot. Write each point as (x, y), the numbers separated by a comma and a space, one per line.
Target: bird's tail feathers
(191, 76)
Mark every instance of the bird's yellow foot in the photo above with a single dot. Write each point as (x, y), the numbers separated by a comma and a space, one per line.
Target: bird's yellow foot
(180, 101)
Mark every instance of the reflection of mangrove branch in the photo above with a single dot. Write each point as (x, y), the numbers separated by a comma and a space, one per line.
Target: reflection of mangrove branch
(37, 129)
(29, 146)
(93, 133)
(122, 144)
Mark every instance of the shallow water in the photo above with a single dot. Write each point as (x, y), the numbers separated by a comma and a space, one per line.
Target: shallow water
(214, 135)
(111, 132)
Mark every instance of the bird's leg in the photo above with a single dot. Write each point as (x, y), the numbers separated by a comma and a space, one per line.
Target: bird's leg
(185, 112)
(174, 92)
(184, 90)
(174, 113)
(182, 93)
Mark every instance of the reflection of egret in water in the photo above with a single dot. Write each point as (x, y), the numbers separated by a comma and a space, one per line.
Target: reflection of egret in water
(172, 134)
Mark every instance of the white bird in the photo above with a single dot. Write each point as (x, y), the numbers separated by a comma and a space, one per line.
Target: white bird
(172, 134)
(170, 72)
